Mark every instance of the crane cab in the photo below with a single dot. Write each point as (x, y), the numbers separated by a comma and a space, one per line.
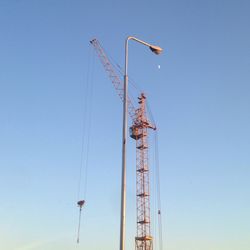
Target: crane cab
(135, 132)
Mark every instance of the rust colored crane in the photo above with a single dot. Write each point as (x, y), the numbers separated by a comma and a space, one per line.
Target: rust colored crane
(139, 132)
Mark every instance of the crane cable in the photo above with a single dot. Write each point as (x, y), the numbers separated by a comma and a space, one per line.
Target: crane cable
(157, 178)
(85, 144)
(157, 170)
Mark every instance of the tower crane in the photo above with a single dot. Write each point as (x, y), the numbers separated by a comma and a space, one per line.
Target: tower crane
(139, 132)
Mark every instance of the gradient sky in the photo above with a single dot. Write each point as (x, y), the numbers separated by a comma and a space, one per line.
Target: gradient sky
(200, 98)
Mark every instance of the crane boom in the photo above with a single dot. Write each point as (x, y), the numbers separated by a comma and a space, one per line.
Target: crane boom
(115, 79)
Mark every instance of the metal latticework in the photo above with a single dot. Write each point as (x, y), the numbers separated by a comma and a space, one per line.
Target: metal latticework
(139, 132)
(115, 79)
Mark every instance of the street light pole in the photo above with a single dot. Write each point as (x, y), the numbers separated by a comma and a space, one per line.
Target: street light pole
(124, 144)
(157, 50)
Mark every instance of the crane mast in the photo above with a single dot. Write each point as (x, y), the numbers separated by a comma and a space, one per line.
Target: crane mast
(139, 132)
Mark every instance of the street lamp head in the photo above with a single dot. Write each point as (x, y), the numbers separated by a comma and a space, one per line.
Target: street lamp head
(156, 49)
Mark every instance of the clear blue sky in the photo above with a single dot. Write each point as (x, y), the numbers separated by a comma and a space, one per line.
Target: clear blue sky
(200, 98)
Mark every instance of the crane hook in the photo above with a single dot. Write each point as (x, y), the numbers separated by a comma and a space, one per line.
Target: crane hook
(80, 205)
